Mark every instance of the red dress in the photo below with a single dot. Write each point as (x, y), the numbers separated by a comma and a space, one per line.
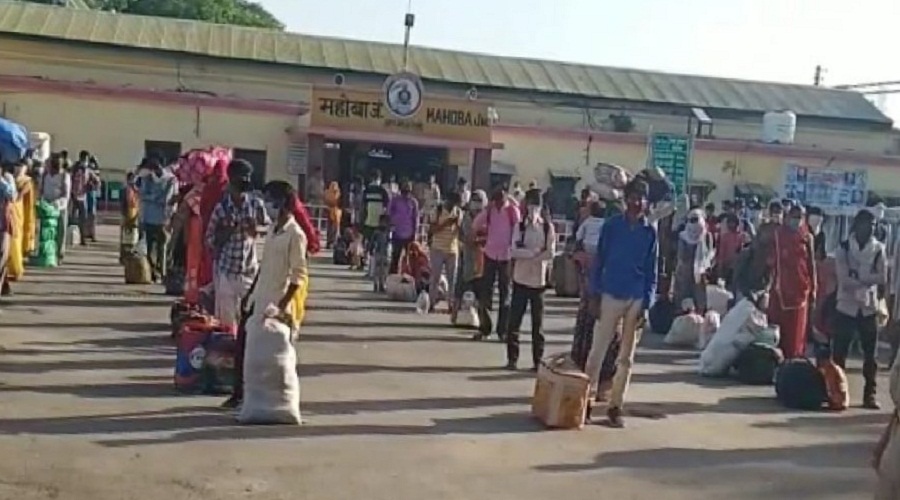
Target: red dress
(794, 281)
(215, 187)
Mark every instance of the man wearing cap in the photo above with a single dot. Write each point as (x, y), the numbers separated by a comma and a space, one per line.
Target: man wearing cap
(232, 234)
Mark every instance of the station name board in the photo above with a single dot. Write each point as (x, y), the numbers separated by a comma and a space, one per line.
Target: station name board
(365, 111)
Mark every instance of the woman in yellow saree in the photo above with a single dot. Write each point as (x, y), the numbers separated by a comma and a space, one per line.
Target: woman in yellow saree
(25, 187)
(16, 263)
(333, 202)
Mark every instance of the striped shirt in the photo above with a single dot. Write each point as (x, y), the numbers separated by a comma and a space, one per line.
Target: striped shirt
(447, 238)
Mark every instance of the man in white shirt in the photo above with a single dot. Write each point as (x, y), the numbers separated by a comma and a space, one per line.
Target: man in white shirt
(465, 194)
(56, 188)
(533, 247)
(588, 234)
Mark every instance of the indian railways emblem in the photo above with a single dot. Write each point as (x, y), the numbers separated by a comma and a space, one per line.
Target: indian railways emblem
(403, 94)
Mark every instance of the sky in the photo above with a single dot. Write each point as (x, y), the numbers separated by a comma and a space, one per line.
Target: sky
(772, 40)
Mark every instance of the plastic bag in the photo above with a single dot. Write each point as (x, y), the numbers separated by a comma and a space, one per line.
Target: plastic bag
(467, 313)
(423, 303)
(685, 330)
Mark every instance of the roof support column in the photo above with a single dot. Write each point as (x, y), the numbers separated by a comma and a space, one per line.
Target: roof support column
(481, 169)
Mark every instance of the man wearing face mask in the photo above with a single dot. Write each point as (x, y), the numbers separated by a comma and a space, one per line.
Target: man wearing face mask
(861, 269)
(622, 285)
(283, 272)
(497, 222)
(793, 291)
(231, 235)
(156, 191)
(403, 212)
(534, 245)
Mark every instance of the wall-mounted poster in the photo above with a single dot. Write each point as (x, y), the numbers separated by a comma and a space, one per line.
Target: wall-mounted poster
(832, 189)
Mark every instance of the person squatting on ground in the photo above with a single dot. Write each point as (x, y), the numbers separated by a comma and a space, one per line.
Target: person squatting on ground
(404, 214)
(622, 284)
(792, 264)
(443, 230)
(232, 234)
(157, 189)
(861, 268)
(283, 273)
(498, 223)
(534, 245)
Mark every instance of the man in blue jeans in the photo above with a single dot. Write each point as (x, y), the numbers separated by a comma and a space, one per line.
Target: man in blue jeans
(621, 285)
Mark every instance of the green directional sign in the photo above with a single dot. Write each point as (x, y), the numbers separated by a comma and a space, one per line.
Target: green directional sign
(673, 154)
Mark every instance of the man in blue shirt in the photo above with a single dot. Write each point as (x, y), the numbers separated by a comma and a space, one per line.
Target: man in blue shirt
(622, 284)
(157, 190)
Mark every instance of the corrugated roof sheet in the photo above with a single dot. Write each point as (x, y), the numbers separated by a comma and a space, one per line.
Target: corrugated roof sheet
(29, 19)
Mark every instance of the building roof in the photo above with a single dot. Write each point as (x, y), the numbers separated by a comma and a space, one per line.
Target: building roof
(527, 75)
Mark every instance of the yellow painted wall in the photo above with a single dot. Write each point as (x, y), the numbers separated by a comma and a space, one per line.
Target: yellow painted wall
(115, 130)
(534, 156)
(229, 78)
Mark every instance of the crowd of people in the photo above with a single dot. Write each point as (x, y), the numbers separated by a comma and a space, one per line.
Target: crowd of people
(70, 189)
(632, 256)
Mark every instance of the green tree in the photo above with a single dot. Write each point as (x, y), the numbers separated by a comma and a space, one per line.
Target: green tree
(237, 12)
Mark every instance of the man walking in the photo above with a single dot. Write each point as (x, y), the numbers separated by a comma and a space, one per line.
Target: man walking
(622, 284)
(534, 245)
(498, 223)
(157, 189)
(444, 247)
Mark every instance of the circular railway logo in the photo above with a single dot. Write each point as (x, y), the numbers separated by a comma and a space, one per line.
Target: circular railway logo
(403, 94)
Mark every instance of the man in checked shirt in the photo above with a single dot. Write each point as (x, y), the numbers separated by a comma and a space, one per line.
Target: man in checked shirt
(232, 234)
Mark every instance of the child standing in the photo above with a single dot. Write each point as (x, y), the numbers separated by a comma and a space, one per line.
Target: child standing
(380, 251)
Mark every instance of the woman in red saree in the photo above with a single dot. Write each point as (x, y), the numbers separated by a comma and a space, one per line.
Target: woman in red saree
(213, 189)
(794, 284)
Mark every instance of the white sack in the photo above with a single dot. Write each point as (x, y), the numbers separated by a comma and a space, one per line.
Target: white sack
(712, 322)
(717, 298)
(271, 385)
(400, 288)
(739, 329)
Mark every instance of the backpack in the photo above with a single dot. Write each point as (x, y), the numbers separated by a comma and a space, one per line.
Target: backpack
(662, 315)
(799, 385)
(545, 227)
(758, 363)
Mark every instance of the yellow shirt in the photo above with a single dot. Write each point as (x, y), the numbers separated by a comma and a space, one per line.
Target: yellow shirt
(447, 238)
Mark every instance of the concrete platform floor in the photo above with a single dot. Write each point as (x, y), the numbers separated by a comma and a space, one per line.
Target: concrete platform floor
(399, 406)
